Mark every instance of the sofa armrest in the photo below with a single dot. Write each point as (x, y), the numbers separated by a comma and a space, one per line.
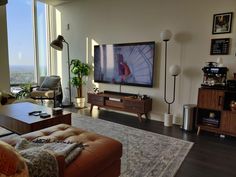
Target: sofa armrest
(61, 164)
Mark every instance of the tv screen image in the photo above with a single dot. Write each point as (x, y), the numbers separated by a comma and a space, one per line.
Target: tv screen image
(126, 64)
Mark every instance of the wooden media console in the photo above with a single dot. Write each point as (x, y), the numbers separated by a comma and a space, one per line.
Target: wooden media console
(121, 102)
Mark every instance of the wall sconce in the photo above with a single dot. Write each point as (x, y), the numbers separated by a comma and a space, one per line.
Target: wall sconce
(174, 71)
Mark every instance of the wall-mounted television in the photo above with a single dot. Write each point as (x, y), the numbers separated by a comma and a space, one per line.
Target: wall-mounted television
(125, 64)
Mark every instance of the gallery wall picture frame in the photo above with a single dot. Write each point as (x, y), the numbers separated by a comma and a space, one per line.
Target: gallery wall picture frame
(222, 23)
(220, 46)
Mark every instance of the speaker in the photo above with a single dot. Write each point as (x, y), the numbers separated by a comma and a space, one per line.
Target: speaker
(3, 2)
(231, 84)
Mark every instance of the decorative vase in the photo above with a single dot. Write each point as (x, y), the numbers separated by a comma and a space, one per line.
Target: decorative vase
(79, 102)
(168, 120)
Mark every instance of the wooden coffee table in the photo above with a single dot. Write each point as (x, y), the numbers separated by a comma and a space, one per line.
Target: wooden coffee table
(15, 117)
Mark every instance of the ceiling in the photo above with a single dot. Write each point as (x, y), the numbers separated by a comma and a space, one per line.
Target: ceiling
(57, 2)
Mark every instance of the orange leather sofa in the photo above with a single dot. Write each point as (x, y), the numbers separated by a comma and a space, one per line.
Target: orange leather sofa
(101, 158)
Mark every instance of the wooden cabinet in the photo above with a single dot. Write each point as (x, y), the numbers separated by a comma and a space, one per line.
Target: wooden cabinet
(214, 113)
(121, 103)
(225, 120)
(228, 124)
(211, 99)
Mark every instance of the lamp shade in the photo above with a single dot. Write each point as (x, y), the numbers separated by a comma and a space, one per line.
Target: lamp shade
(3, 2)
(175, 70)
(165, 35)
(57, 43)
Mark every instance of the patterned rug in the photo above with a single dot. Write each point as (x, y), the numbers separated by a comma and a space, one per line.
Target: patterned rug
(145, 154)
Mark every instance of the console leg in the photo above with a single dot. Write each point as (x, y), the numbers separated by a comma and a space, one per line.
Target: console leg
(91, 108)
(147, 116)
(140, 117)
(198, 130)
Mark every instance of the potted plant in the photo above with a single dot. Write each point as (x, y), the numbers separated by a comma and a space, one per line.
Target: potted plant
(80, 70)
(24, 92)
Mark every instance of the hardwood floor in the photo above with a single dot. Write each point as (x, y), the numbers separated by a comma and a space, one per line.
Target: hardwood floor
(211, 156)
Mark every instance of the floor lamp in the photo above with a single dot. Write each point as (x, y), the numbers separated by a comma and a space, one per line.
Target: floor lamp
(3, 2)
(58, 45)
(175, 71)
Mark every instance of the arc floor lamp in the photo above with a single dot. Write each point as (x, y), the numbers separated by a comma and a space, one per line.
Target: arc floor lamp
(58, 45)
(174, 71)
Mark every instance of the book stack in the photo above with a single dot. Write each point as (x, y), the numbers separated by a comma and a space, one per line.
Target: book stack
(56, 111)
(211, 121)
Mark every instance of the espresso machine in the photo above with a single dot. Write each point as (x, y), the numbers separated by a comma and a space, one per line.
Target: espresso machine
(214, 77)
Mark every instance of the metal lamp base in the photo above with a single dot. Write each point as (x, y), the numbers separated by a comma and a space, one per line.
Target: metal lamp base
(168, 120)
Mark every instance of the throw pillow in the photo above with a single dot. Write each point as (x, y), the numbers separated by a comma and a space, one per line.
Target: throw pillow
(50, 82)
(42, 89)
(11, 162)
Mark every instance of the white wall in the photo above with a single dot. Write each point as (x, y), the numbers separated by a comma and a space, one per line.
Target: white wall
(112, 21)
(4, 66)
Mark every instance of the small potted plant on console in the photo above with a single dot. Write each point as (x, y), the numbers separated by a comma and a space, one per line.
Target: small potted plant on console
(80, 70)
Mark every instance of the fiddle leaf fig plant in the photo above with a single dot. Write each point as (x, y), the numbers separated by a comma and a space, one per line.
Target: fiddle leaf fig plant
(80, 70)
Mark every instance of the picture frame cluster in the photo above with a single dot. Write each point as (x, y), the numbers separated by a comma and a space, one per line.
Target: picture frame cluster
(222, 23)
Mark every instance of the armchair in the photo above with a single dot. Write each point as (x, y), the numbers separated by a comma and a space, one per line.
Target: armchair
(49, 89)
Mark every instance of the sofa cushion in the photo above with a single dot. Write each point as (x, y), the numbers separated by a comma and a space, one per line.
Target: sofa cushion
(42, 94)
(11, 162)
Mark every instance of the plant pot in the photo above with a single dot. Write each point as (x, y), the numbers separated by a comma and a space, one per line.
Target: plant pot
(168, 120)
(79, 102)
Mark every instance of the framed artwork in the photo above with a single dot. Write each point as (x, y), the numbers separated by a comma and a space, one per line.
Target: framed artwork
(222, 23)
(220, 46)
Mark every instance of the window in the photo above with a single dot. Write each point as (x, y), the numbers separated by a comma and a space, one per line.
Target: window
(20, 41)
(42, 39)
(27, 40)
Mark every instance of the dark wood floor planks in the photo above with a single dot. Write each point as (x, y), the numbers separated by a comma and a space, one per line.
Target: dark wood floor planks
(211, 156)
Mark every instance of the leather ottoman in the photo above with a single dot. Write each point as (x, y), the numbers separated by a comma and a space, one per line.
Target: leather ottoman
(101, 158)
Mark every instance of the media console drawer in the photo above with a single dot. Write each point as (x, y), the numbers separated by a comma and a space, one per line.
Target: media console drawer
(134, 105)
(112, 103)
(95, 99)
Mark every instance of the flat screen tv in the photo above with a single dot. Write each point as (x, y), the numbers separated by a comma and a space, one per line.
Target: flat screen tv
(125, 64)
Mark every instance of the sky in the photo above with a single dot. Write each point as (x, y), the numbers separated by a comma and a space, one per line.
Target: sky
(20, 33)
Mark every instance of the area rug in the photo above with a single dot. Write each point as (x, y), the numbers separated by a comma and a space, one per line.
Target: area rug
(4, 132)
(145, 154)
